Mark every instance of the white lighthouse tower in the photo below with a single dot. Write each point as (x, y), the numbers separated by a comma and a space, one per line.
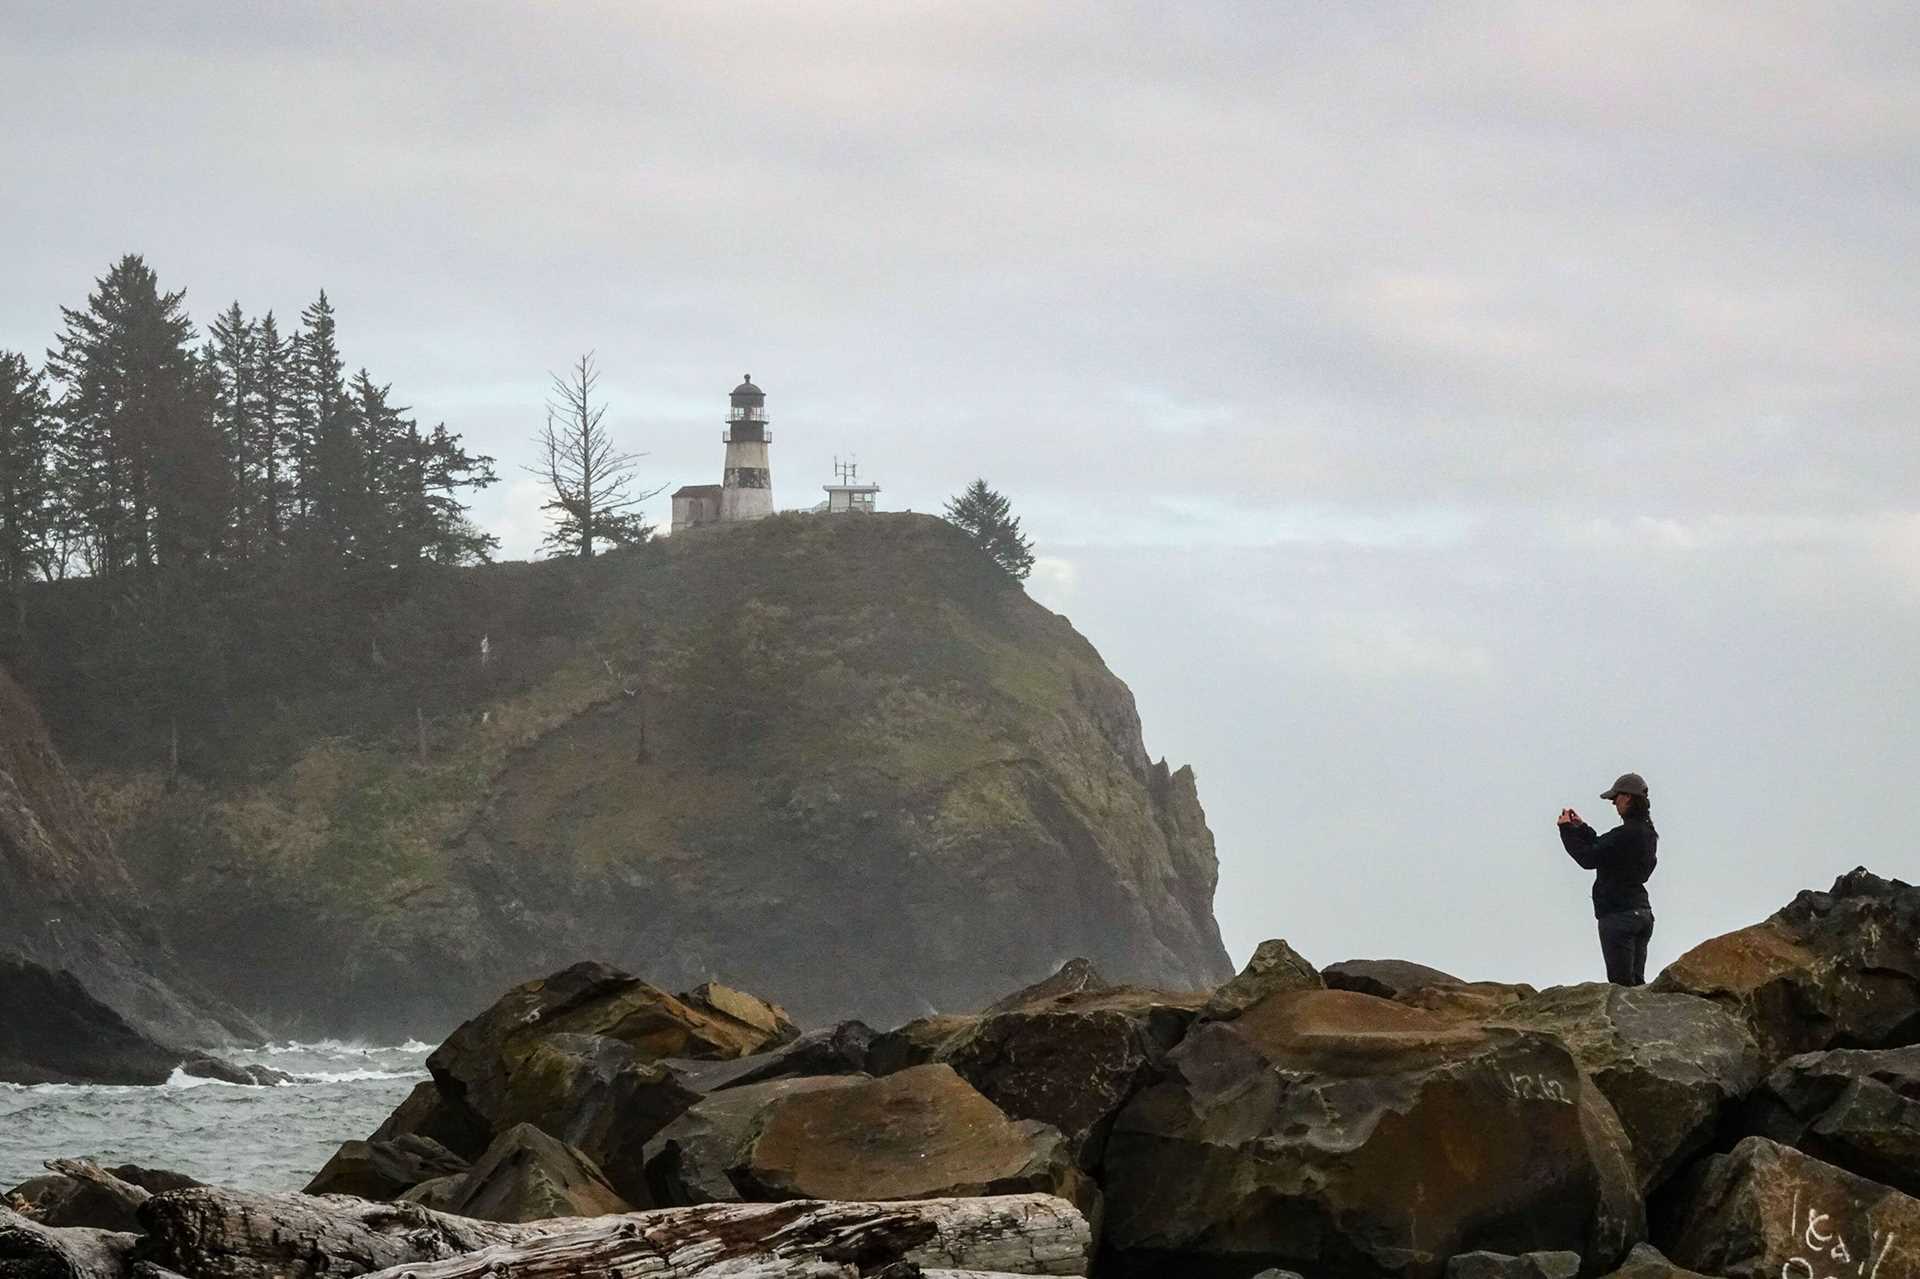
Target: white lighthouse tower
(746, 490)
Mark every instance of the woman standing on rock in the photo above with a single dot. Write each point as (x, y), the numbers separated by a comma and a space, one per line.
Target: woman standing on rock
(1622, 861)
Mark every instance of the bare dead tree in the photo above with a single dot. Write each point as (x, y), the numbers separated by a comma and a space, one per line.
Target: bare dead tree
(589, 480)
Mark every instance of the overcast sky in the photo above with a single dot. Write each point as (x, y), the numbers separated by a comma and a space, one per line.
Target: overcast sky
(1430, 411)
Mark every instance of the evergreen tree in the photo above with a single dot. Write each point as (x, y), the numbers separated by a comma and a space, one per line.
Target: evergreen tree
(988, 519)
(189, 478)
(588, 479)
(331, 470)
(372, 509)
(27, 508)
(234, 354)
(434, 522)
(131, 389)
(409, 513)
(275, 426)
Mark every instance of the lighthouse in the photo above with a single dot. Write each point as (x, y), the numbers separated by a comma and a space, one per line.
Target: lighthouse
(746, 488)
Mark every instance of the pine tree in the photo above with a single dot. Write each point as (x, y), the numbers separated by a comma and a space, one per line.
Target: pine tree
(408, 513)
(234, 355)
(190, 482)
(588, 479)
(371, 509)
(988, 519)
(439, 529)
(130, 411)
(27, 509)
(331, 470)
(275, 425)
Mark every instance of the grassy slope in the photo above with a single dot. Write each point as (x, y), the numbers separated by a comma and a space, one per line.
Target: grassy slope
(876, 775)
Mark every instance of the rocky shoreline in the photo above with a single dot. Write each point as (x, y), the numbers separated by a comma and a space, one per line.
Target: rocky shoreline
(1755, 1112)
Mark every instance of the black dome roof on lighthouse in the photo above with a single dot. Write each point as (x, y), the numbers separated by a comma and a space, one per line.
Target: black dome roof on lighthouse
(747, 390)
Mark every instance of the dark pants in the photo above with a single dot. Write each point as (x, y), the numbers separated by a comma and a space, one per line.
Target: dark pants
(1623, 944)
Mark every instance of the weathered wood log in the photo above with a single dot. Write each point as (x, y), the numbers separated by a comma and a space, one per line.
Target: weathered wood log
(212, 1233)
(87, 1170)
(29, 1250)
(1010, 1234)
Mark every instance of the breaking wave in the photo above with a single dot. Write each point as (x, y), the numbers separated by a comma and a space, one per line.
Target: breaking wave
(236, 1135)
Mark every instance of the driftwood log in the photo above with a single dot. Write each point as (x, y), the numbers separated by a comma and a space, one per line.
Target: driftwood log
(211, 1233)
(29, 1250)
(89, 1171)
(802, 1239)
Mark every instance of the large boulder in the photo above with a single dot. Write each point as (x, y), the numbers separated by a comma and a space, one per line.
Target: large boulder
(526, 1175)
(918, 1042)
(1385, 978)
(924, 1133)
(425, 1113)
(63, 1201)
(1334, 1132)
(153, 1180)
(1070, 978)
(442, 1194)
(1470, 1000)
(769, 1019)
(202, 1066)
(1858, 1109)
(691, 1160)
(1498, 1265)
(840, 1049)
(1839, 969)
(583, 1056)
(1072, 1060)
(1419, 986)
(1670, 1064)
(1767, 1211)
(1275, 968)
(600, 1095)
(478, 1064)
(384, 1169)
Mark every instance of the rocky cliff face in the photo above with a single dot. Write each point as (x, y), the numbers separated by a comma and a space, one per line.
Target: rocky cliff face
(70, 904)
(847, 763)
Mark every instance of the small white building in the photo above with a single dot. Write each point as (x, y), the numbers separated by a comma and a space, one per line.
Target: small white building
(847, 494)
(695, 505)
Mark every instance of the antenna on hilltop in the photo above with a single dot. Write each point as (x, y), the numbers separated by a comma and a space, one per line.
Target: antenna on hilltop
(846, 472)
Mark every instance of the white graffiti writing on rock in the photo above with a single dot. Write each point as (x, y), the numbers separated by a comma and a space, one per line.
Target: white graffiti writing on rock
(1821, 1250)
(1535, 1087)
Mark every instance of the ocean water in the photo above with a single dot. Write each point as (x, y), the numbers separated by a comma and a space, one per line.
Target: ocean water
(223, 1134)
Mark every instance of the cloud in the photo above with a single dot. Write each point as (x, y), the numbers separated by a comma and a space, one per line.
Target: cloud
(1395, 394)
(1384, 645)
(1053, 581)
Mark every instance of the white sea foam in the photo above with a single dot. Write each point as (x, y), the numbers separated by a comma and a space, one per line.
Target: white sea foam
(354, 1076)
(342, 1048)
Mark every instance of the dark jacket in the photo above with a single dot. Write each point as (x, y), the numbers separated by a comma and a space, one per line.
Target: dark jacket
(1622, 861)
